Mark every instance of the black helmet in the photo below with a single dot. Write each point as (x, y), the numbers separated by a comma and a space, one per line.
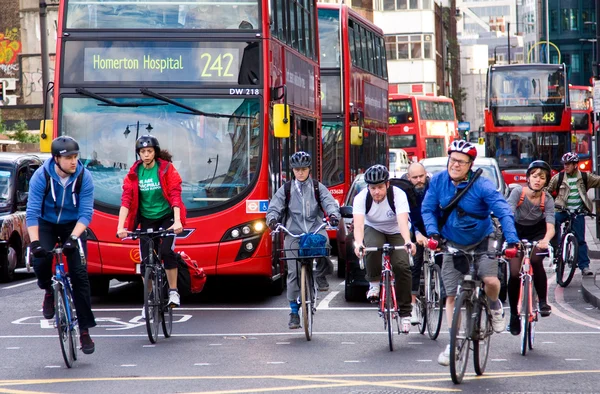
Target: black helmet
(64, 146)
(300, 159)
(377, 174)
(146, 141)
(541, 165)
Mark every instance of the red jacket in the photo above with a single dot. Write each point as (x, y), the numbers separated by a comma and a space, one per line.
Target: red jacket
(170, 182)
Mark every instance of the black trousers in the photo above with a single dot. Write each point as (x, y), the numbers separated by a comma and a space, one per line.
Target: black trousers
(49, 235)
(166, 244)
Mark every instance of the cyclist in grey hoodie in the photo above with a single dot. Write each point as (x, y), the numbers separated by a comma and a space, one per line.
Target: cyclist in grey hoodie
(303, 215)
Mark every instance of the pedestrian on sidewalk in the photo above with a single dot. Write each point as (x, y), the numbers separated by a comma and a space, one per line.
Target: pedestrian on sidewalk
(570, 189)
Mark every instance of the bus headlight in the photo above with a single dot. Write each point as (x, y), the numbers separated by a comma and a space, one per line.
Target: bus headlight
(245, 230)
(235, 233)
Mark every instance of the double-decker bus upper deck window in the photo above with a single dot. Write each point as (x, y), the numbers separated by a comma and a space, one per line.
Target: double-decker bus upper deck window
(329, 38)
(522, 87)
(150, 14)
(436, 110)
(401, 111)
(217, 157)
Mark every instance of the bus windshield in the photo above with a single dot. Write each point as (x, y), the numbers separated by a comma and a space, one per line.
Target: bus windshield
(403, 141)
(217, 157)
(526, 87)
(515, 150)
(162, 14)
(401, 111)
(580, 99)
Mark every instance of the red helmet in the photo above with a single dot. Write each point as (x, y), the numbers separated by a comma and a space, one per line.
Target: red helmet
(462, 146)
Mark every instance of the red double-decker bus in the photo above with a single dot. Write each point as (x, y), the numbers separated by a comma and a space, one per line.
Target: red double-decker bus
(211, 81)
(423, 126)
(354, 92)
(582, 119)
(527, 117)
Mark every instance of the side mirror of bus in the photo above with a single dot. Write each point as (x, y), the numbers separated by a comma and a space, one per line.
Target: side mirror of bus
(346, 212)
(281, 121)
(356, 136)
(46, 133)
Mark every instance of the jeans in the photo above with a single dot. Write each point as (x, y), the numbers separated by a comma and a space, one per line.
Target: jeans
(293, 268)
(49, 234)
(578, 226)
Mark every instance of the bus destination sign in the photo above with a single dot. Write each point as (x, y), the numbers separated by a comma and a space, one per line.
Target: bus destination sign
(548, 118)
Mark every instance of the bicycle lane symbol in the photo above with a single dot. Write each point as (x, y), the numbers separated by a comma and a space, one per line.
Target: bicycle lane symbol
(108, 323)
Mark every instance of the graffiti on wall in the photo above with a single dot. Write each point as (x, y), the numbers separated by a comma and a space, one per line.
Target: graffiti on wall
(10, 46)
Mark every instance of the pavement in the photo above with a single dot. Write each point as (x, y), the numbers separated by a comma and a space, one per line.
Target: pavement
(590, 285)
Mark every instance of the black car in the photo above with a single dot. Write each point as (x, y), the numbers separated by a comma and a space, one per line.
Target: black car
(356, 286)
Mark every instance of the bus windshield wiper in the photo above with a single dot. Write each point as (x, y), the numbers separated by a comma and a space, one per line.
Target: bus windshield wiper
(190, 110)
(110, 103)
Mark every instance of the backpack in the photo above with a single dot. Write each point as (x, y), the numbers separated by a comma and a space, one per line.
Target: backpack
(561, 177)
(190, 277)
(287, 188)
(542, 201)
(78, 183)
(403, 184)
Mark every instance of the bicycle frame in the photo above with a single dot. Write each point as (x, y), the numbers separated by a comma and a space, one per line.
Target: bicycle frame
(386, 268)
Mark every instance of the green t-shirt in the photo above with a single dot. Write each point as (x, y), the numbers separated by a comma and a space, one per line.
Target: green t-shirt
(153, 204)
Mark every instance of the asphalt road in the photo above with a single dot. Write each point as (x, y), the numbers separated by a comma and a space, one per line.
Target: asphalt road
(232, 339)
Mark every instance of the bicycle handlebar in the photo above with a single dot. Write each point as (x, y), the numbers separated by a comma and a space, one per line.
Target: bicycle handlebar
(386, 248)
(56, 249)
(280, 227)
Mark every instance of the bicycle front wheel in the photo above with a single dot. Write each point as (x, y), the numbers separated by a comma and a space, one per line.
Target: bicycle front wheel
(62, 325)
(481, 345)
(388, 308)
(305, 300)
(74, 325)
(525, 312)
(166, 312)
(151, 303)
(568, 256)
(433, 291)
(460, 338)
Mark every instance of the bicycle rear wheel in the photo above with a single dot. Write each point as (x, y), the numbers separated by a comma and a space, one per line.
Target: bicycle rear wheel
(568, 256)
(481, 345)
(433, 291)
(151, 303)
(305, 300)
(460, 338)
(62, 325)
(524, 313)
(166, 312)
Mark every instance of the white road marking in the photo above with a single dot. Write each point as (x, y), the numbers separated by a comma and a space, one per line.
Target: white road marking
(498, 359)
(368, 308)
(120, 284)
(548, 342)
(275, 362)
(202, 364)
(348, 343)
(343, 283)
(129, 365)
(215, 344)
(282, 343)
(13, 348)
(325, 303)
(20, 284)
(424, 361)
(573, 359)
(53, 366)
(415, 343)
(352, 361)
(149, 346)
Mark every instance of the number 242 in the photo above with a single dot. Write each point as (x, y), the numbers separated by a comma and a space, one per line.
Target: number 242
(217, 65)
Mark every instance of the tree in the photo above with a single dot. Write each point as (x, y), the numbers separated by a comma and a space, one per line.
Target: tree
(21, 133)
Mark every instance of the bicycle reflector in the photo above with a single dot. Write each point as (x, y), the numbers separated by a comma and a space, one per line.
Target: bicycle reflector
(511, 253)
(432, 244)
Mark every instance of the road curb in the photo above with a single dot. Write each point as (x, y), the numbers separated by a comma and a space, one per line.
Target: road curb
(590, 291)
(593, 254)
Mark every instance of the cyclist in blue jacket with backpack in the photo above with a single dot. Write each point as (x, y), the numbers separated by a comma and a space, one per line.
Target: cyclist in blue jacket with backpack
(468, 228)
(60, 205)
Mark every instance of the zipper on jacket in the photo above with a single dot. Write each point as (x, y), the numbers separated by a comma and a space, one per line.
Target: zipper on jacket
(62, 202)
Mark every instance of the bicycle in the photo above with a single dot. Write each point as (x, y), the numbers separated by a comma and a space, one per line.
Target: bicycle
(431, 295)
(388, 307)
(528, 301)
(156, 286)
(475, 327)
(568, 249)
(308, 287)
(65, 318)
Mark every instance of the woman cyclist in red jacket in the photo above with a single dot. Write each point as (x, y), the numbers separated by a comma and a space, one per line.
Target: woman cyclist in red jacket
(152, 199)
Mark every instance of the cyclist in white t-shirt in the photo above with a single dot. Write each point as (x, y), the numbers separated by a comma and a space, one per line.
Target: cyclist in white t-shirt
(384, 223)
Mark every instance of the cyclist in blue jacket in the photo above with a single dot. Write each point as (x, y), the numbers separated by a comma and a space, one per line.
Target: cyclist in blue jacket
(62, 209)
(468, 228)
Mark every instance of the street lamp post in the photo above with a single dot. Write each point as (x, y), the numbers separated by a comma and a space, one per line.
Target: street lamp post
(547, 34)
(137, 125)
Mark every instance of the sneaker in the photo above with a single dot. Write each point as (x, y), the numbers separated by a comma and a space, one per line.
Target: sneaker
(87, 345)
(294, 321)
(48, 305)
(587, 272)
(173, 298)
(414, 315)
(373, 294)
(405, 324)
(322, 284)
(545, 309)
(144, 313)
(444, 357)
(498, 323)
(515, 325)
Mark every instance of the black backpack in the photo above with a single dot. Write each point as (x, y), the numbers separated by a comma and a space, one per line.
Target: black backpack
(78, 183)
(403, 184)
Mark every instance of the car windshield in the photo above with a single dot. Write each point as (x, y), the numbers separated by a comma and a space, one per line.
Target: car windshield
(5, 185)
(357, 186)
(489, 171)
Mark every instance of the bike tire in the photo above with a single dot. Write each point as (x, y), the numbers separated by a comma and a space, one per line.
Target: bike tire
(166, 311)
(150, 304)
(524, 313)
(389, 309)
(305, 298)
(569, 256)
(422, 311)
(460, 338)
(435, 308)
(535, 311)
(74, 326)
(481, 346)
(62, 325)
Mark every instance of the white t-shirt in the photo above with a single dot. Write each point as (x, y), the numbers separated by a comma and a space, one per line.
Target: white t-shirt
(381, 217)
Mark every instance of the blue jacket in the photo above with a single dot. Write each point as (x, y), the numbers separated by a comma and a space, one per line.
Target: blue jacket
(68, 207)
(480, 200)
